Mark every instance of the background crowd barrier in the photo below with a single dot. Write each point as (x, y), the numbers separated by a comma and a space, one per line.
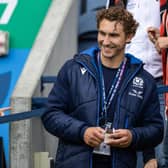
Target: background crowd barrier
(162, 89)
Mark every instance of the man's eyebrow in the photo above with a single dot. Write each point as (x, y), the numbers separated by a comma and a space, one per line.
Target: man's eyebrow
(111, 33)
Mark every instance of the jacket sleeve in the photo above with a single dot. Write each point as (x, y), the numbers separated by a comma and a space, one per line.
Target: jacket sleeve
(56, 118)
(150, 133)
(148, 154)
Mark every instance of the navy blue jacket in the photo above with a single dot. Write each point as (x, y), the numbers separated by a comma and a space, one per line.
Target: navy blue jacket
(73, 105)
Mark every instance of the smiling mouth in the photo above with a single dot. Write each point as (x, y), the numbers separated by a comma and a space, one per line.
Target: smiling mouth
(108, 47)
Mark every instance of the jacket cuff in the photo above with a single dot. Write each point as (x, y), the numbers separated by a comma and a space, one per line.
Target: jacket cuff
(83, 129)
(134, 139)
(148, 155)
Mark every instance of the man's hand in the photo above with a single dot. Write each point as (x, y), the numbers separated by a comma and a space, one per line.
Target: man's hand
(94, 136)
(152, 163)
(2, 110)
(121, 138)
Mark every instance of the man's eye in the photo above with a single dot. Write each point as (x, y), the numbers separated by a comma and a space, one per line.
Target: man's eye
(102, 33)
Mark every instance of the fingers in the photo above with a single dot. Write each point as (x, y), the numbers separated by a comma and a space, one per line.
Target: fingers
(93, 136)
(152, 37)
(153, 30)
(121, 138)
(5, 108)
(161, 43)
(157, 46)
(120, 142)
(155, 41)
(153, 34)
(2, 110)
(151, 164)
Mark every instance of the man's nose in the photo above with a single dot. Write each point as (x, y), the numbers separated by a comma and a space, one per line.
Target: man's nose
(106, 40)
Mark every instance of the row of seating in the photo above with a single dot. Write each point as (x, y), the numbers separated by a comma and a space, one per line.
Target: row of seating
(87, 29)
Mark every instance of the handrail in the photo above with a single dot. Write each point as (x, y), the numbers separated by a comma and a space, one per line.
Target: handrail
(47, 79)
(22, 116)
(162, 89)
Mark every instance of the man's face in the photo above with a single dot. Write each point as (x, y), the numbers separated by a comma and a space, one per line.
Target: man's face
(111, 39)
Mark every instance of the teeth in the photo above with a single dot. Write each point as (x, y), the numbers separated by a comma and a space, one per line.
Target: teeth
(110, 47)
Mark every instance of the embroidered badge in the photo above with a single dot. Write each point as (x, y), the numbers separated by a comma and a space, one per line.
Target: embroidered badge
(136, 93)
(137, 88)
(138, 82)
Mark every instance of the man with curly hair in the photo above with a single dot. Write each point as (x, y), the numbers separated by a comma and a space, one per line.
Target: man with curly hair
(104, 106)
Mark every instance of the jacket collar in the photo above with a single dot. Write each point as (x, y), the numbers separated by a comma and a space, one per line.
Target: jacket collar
(92, 52)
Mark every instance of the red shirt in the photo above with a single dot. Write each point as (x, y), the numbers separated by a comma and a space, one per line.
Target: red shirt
(164, 32)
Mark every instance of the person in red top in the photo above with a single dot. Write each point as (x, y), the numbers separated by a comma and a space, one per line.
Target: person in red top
(160, 40)
(162, 45)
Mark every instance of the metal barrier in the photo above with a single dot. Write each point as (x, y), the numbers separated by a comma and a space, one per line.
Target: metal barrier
(162, 89)
(47, 79)
(21, 116)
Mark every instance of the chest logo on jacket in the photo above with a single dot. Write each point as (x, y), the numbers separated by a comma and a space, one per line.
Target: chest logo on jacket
(138, 82)
(136, 93)
(83, 70)
(137, 88)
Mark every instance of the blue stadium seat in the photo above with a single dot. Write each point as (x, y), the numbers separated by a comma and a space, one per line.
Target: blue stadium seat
(87, 32)
(95, 4)
(87, 23)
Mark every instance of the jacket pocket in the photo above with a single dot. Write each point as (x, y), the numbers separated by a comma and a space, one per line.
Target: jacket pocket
(128, 119)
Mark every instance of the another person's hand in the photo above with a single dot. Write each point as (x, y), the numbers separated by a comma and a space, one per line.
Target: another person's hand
(121, 138)
(161, 42)
(152, 163)
(94, 136)
(153, 34)
(158, 41)
(2, 110)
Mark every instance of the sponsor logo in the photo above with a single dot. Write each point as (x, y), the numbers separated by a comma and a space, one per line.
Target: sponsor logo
(138, 82)
(83, 70)
(137, 90)
(136, 93)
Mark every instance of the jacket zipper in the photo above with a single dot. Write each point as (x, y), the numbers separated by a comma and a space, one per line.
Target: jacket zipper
(118, 109)
(97, 115)
(119, 99)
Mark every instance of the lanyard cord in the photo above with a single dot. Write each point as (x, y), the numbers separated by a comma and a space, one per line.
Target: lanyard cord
(107, 100)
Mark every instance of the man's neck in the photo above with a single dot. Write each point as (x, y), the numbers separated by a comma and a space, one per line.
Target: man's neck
(112, 62)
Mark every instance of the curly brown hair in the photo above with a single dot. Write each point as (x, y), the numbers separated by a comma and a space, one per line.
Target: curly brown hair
(119, 15)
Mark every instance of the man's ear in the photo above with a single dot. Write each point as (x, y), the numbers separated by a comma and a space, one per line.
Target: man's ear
(129, 38)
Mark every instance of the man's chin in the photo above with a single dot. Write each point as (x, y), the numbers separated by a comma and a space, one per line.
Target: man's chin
(107, 54)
